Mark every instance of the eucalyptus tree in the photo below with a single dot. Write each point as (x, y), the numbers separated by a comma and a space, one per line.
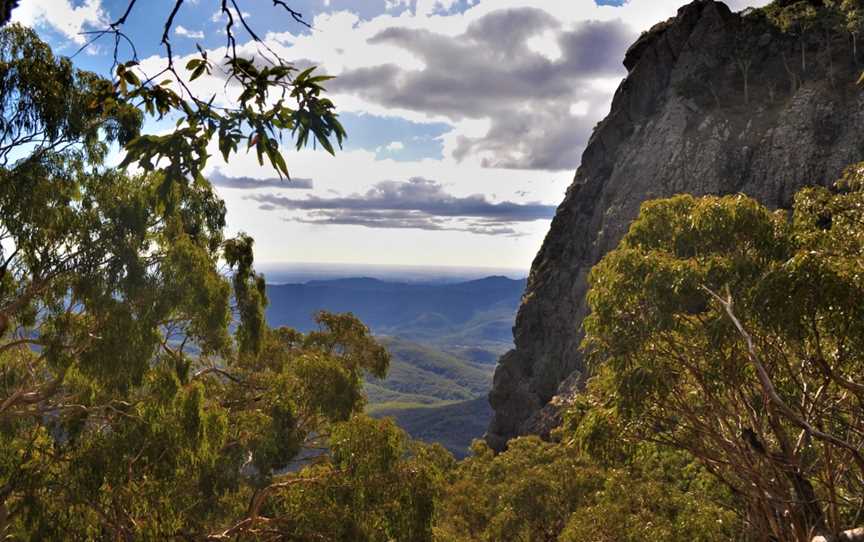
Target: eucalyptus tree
(736, 333)
(142, 395)
(797, 18)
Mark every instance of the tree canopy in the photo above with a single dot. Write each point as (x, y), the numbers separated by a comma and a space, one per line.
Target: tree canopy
(142, 394)
(734, 333)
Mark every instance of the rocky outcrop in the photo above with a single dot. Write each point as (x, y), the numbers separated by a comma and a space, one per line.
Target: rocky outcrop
(680, 122)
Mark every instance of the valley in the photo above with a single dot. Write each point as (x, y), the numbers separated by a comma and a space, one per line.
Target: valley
(445, 338)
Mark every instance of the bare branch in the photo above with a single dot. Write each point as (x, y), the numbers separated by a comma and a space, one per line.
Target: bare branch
(771, 393)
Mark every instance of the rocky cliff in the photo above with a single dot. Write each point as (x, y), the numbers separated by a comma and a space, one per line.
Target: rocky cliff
(714, 103)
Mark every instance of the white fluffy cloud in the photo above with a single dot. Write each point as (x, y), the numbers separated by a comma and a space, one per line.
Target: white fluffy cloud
(184, 32)
(220, 15)
(61, 15)
(537, 74)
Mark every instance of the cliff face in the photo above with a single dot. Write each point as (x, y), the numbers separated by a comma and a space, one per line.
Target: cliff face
(680, 122)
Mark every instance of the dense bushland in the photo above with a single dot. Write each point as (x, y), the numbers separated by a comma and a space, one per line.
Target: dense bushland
(726, 343)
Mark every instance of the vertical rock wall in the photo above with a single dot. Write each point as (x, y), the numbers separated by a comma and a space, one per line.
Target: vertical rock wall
(679, 123)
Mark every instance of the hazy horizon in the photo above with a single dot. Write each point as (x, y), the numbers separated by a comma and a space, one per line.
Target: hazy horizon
(301, 272)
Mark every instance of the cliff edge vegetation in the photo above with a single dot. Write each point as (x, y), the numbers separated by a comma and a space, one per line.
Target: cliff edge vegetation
(760, 103)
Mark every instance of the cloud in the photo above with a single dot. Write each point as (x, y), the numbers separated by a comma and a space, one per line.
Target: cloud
(249, 183)
(393, 146)
(494, 72)
(182, 31)
(61, 15)
(538, 74)
(220, 15)
(402, 220)
(416, 204)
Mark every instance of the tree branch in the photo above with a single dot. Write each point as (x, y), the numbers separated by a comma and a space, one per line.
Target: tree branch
(771, 393)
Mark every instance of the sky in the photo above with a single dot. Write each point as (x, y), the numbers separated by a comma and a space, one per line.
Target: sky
(466, 119)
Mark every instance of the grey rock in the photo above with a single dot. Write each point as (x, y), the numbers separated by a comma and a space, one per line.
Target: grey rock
(657, 142)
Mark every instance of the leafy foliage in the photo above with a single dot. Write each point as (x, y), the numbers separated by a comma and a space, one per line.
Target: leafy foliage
(818, 21)
(142, 395)
(538, 491)
(368, 492)
(258, 115)
(732, 332)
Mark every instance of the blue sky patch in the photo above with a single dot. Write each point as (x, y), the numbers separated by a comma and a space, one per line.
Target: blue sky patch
(394, 137)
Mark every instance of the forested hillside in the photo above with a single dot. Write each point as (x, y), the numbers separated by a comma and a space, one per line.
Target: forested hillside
(434, 396)
(476, 314)
(443, 339)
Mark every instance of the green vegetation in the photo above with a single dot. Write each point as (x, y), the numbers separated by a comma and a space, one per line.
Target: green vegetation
(454, 425)
(726, 403)
(144, 397)
(734, 333)
(434, 396)
(128, 408)
(798, 41)
(539, 492)
(817, 25)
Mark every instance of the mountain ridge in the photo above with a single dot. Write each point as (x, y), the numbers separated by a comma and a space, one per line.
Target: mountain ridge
(443, 339)
(387, 306)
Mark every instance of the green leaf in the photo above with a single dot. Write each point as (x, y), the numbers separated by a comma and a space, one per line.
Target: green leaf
(279, 163)
(303, 75)
(196, 73)
(131, 78)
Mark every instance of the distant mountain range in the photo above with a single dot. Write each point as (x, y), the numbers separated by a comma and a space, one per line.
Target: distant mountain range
(296, 273)
(444, 338)
(468, 315)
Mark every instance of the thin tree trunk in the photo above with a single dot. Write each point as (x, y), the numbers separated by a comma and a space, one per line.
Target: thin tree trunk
(793, 79)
